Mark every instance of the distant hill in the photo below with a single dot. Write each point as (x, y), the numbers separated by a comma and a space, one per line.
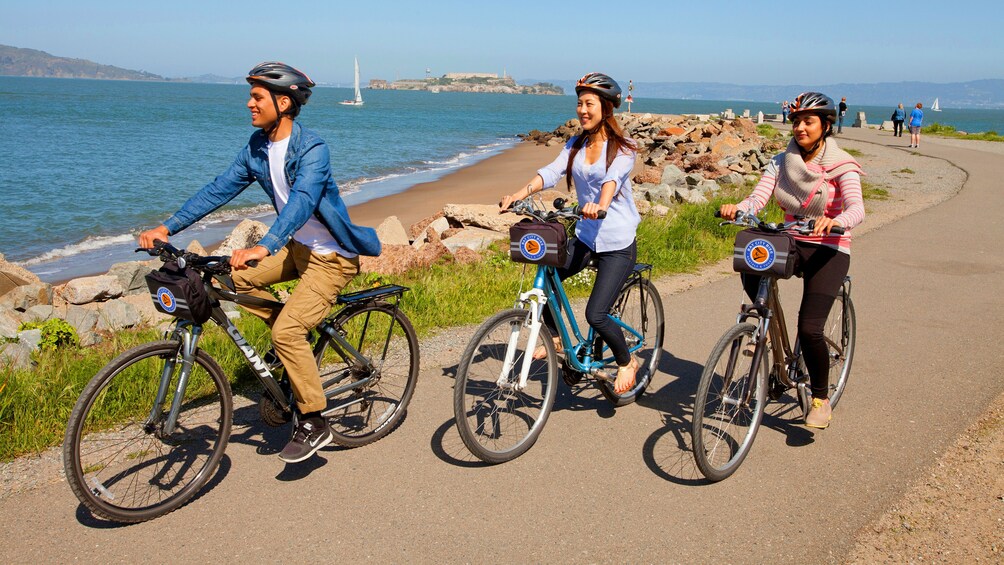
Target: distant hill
(986, 94)
(15, 61)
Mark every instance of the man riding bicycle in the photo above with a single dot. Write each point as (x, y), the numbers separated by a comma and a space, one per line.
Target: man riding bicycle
(312, 237)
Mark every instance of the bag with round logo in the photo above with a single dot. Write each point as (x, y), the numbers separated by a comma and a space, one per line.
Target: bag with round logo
(759, 252)
(179, 292)
(539, 243)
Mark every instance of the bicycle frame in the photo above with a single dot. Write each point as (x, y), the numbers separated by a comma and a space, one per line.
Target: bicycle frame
(548, 291)
(189, 333)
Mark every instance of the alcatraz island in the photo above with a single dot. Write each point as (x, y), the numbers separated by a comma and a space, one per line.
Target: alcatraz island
(468, 82)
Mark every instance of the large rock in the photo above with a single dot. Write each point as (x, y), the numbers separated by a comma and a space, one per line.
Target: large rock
(132, 275)
(84, 321)
(16, 355)
(391, 232)
(40, 313)
(397, 259)
(731, 178)
(30, 338)
(481, 216)
(92, 289)
(28, 295)
(475, 239)
(439, 225)
(10, 321)
(117, 315)
(247, 234)
(672, 175)
(13, 276)
(148, 313)
(661, 194)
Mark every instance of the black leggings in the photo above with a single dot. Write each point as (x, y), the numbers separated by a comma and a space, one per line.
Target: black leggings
(612, 270)
(822, 270)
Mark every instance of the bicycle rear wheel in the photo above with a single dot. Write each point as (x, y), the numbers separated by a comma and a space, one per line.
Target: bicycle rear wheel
(496, 421)
(840, 334)
(640, 307)
(119, 461)
(360, 415)
(729, 404)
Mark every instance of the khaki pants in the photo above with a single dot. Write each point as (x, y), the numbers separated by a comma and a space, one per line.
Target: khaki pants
(322, 277)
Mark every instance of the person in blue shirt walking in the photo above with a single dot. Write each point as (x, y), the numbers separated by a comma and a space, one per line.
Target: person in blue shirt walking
(916, 120)
(598, 164)
(311, 239)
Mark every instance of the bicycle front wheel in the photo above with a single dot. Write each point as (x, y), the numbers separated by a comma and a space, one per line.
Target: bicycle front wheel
(497, 420)
(368, 402)
(729, 404)
(120, 462)
(640, 307)
(840, 334)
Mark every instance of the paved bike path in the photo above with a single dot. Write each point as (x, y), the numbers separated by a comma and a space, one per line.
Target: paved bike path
(606, 485)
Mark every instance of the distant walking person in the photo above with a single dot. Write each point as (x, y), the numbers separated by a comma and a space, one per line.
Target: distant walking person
(898, 117)
(916, 119)
(785, 108)
(841, 112)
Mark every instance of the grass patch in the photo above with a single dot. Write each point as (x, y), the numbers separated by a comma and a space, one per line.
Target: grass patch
(769, 131)
(870, 191)
(854, 153)
(905, 170)
(945, 130)
(35, 405)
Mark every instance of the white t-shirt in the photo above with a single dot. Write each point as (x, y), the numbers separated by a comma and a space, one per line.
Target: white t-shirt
(313, 234)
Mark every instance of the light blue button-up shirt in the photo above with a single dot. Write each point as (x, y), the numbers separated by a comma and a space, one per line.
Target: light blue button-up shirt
(617, 230)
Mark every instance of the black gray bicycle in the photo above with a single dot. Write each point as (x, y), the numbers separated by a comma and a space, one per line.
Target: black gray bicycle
(150, 429)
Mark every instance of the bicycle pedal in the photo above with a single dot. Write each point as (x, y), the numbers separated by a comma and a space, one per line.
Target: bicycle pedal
(603, 376)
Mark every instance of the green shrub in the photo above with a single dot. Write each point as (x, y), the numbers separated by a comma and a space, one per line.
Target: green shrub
(55, 333)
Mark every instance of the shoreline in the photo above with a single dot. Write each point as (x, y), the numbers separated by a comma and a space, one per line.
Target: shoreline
(482, 182)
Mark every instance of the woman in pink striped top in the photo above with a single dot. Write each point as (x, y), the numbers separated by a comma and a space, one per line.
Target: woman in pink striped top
(812, 178)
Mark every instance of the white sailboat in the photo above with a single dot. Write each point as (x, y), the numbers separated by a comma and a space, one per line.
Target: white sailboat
(935, 107)
(358, 101)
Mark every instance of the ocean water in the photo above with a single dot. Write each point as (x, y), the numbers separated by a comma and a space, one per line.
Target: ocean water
(88, 164)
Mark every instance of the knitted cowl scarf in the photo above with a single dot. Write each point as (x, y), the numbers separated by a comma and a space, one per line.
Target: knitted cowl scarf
(804, 188)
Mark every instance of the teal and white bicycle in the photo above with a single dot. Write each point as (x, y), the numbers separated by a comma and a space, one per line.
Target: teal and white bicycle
(503, 396)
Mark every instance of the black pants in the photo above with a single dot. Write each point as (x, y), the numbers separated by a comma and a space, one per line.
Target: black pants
(612, 270)
(823, 270)
(897, 128)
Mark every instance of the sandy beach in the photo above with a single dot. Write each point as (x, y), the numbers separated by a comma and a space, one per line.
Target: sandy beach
(481, 183)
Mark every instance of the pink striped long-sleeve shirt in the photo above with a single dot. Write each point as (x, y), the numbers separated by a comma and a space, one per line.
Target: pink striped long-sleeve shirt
(845, 204)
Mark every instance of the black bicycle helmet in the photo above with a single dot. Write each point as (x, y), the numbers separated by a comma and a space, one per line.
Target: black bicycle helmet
(282, 79)
(604, 86)
(816, 103)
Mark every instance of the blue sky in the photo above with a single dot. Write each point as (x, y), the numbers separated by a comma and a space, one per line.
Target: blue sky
(768, 42)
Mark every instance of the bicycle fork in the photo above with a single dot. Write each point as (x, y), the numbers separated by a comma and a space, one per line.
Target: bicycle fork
(189, 336)
(536, 301)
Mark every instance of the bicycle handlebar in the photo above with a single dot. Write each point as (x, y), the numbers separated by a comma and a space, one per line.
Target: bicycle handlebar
(525, 207)
(800, 225)
(209, 264)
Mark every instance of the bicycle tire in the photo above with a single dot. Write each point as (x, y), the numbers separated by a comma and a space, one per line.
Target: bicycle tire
(841, 335)
(730, 425)
(384, 334)
(495, 422)
(123, 468)
(628, 307)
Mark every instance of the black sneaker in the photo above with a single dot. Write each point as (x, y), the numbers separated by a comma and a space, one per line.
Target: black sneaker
(307, 439)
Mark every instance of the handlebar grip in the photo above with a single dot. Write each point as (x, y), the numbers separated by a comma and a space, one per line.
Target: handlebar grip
(718, 213)
(601, 214)
(837, 230)
(252, 263)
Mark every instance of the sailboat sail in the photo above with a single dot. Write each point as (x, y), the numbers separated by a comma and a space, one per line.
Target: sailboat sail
(358, 99)
(935, 107)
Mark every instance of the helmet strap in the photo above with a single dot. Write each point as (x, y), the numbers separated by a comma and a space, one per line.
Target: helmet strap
(278, 116)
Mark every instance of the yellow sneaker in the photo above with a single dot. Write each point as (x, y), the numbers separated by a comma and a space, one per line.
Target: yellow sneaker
(820, 414)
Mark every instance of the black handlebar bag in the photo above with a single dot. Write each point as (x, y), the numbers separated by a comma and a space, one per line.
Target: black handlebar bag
(538, 243)
(179, 292)
(764, 253)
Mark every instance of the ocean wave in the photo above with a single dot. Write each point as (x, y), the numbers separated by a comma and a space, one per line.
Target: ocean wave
(87, 245)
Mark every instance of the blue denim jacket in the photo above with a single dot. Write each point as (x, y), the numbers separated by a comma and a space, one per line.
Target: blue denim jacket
(312, 192)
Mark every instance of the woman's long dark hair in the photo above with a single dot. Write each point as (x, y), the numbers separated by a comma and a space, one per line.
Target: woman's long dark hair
(617, 142)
